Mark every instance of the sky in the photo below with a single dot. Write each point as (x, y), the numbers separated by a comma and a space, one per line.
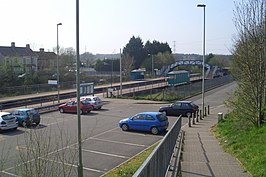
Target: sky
(106, 26)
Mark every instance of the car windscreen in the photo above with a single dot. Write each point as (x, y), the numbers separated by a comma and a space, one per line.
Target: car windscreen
(161, 117)
(8, 117)
(32, 112)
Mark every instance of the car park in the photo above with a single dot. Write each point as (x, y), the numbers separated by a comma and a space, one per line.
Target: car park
(27, 116)
(7, 121)
(154, 122)
(96, 101)
(71, 107)
(184, 108)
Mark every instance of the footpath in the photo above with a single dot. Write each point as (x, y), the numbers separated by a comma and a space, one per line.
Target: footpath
(202, 154)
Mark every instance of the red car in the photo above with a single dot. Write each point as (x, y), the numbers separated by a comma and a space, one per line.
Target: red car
(71, 107)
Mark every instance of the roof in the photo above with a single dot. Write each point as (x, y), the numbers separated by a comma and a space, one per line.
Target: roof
(183, 101)
(4, 113)
(150, 113)
(16, 51)
(178, 72)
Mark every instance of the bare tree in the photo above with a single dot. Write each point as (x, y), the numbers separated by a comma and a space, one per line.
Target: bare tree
(127, 64)
(249, 61)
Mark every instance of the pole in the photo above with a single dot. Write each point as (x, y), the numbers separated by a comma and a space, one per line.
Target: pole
(57, 63)
(152, 66)
(120, 74)
(80, 166)
(112, 72)
(203, 58)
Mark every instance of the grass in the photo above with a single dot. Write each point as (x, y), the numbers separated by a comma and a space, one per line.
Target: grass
(248, 145)
(128, 168)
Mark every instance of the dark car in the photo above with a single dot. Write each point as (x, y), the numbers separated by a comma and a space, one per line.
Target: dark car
(71, 107)
(27, 116)
(184, 108)
(154, 122)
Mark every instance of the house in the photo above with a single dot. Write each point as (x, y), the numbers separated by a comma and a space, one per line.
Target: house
(22, 59)
(46, 60)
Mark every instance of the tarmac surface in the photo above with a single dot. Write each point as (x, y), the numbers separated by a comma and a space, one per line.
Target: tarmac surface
(202, 154)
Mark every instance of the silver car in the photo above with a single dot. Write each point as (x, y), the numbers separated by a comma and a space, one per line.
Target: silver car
(96, 102)
(7, 121)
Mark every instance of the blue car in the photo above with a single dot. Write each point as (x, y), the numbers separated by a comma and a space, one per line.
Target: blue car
(154, 122)
(27, 116)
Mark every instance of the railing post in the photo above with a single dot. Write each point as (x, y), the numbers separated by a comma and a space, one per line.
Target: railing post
(197, 116)
(205, 111)
(201, 115)
(189, 120)
(193, 118)
(208, 109)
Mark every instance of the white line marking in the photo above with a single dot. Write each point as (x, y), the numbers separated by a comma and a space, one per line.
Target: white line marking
(107, 154)
(118, 142)
(11, 174)
(72, 165)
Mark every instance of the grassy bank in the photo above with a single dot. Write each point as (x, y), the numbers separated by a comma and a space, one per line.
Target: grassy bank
(247, 144)
(128, 168)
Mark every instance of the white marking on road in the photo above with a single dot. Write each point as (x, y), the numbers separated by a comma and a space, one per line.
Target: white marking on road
(107, 154)
(118, 142)
(11, 174)
(72, 165)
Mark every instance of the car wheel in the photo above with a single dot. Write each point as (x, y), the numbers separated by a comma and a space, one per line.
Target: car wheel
(15, 128)
(164, 112)
(61, 110)
(100, 108)
(82, 111)
(37, 123)
(154, 130)
(188, 114)
(124, 127)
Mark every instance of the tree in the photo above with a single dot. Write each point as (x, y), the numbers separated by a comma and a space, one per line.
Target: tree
(135, 49)
(127, 64)
(157, 47)
(249, 62)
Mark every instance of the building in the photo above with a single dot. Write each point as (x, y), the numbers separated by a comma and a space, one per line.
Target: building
(22, 59)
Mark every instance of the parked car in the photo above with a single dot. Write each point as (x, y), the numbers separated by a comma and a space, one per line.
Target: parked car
(155, 122)
(8, 121)
(184, 108)
(94, 100)
(71, 107)
(27, 116)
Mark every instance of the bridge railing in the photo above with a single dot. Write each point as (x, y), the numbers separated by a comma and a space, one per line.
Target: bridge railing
(158, 163)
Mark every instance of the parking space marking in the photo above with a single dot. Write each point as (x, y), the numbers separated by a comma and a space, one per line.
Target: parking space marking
(119, 142)
(107, 154)
(2, 138)
(72, 165)
(11, 174)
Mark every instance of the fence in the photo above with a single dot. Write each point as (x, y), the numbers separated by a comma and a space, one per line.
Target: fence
(158, 163)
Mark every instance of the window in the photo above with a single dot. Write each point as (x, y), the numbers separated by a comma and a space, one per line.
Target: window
(149, 117)
(139, 117)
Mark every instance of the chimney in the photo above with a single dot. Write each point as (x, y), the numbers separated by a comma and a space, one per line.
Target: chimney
(41, 49)
(28, 46)
(12, 44)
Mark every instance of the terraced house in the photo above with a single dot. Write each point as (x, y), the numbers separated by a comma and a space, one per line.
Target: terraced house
(25, 60)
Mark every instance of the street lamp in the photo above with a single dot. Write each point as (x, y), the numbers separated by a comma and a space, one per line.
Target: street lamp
(57, 61)
(203, 59)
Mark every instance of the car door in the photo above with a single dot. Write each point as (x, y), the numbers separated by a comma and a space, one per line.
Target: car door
(185, 108)
(176, 109)
(138, 122)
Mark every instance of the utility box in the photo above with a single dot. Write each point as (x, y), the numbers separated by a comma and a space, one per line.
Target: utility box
(178, 77)
(137, 74)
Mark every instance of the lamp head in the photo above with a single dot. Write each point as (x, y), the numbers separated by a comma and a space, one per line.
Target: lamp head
(201, 5)
(59, 24)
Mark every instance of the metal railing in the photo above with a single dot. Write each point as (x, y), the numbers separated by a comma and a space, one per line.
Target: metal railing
(158, 163)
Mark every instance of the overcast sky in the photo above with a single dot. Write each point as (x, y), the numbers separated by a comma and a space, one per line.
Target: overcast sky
(107, 25)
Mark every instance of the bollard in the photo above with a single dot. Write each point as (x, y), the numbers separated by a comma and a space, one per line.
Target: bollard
(197, 116)
(193, 118)
(220, 116)
(189, 121)
(208, 109)
(205, 111)
(200, 114)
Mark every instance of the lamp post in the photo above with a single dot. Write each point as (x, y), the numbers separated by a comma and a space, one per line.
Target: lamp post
(57, 61)
(203, 58)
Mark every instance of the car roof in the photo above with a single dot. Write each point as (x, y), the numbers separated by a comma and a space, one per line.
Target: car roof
(150, 113)
(24, 109)
(4, 113)
(90, 96)
(183, 101)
